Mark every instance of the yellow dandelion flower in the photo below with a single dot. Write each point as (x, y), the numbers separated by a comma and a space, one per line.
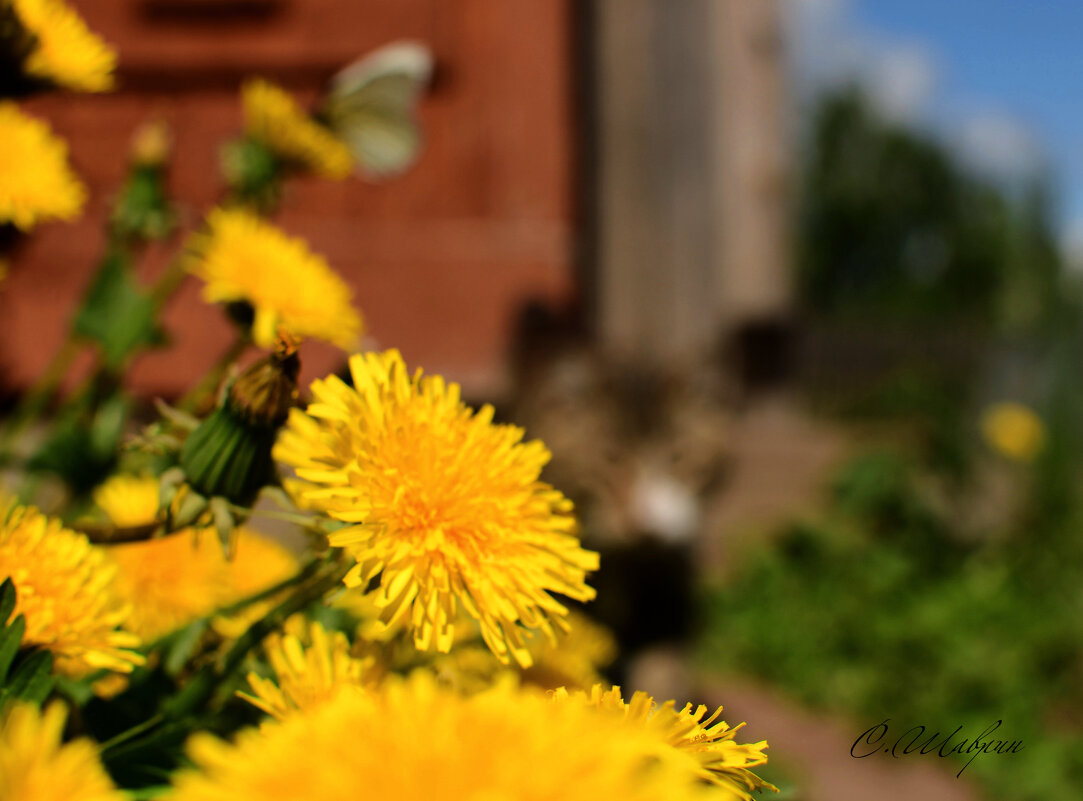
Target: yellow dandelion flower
(66, 52)
(167, 582)
(573, 661)
(128, 500)
(1014, 431)
(35, 766)
(412, 737)
(274, 118)
(65, 590)
(576, 658)
(172, 581)
(36, 182)
(705, 744)
(447, 507)
(305, 674)
(243, 258)
(258, 564)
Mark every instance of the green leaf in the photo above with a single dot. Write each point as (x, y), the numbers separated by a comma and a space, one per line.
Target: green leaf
(32, 680)
(117, 313)
(10, 637)
(7, 600)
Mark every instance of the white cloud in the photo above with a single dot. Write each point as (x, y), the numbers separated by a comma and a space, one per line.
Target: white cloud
(999, 143)
(900, 80)
(820, 50)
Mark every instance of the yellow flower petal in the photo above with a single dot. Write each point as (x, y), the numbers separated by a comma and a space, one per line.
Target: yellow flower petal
(706, 745)
(306, 673)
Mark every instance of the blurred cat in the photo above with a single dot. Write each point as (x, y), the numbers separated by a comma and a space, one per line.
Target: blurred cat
(642, 451)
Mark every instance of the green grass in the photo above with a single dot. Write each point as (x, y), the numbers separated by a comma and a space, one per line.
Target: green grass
(879, 610)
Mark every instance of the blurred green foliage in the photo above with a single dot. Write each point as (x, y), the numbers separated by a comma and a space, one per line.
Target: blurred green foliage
(933, 292)
(893, 228)
(881, 608)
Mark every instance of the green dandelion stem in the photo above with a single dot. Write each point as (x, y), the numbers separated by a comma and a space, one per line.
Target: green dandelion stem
(134, 731)
(179, 715)
(39, 395)
(306, 572)
(169, 281)
(200, 690)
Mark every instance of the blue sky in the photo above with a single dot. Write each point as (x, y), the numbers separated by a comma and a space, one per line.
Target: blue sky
(1000, 79)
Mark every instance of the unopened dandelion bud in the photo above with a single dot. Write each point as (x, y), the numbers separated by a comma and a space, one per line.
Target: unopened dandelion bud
(229, 455)
(151, 143)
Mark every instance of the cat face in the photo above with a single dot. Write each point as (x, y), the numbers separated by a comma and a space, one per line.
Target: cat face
(638, 449)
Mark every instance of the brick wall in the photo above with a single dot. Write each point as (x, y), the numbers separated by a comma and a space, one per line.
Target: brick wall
(441, 258)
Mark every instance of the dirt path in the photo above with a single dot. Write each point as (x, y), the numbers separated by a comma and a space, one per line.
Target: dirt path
(781, 460)
(816, 752)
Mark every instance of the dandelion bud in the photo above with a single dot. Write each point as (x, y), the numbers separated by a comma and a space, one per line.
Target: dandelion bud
(229, 454)
(151, 143)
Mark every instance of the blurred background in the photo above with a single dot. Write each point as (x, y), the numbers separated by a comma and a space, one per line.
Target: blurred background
(791, 288)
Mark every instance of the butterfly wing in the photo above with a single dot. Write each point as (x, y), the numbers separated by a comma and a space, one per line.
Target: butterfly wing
(372, 103)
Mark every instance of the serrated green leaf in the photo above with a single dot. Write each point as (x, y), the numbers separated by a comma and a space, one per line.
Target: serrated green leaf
(7, 600)
(32, 680)
(10, 637)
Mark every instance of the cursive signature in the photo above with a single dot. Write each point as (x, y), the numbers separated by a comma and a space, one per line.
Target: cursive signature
(913, 740)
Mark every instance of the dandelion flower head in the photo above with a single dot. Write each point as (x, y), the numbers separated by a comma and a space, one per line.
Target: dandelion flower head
(412, 737)
(705, 744)
(306, 674)
(274, 118)
(243, 258)
(1014, 431)
(575, 659)
(174, 580)
(258, 564)
(446, 508)
(36, 766)
(36, 182)
(169, 581)
(64, 588)
(66, 52)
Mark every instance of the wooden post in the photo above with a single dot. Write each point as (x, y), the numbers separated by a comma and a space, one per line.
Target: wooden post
(690, 216)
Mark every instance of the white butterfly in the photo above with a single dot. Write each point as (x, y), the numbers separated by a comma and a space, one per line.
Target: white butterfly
(371, 106)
